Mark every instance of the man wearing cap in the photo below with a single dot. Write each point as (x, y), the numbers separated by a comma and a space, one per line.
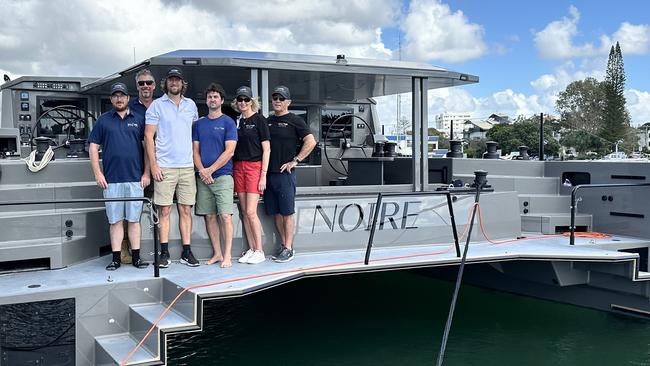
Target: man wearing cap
(125, 172)
(169, 119)
(145, 83)
(286, 129)
(215, 138)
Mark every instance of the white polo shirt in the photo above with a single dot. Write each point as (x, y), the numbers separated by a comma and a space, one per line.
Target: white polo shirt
(174, 133)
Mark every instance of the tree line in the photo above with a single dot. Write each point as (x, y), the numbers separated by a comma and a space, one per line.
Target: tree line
(593, 119)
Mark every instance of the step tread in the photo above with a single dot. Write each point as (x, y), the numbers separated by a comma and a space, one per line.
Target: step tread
(18, 244)
(462, 175)
(643, 275)
(555, 214)
(119, 345)
(151, 312)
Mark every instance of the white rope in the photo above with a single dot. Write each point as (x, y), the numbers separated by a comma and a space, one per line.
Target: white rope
(34, 166)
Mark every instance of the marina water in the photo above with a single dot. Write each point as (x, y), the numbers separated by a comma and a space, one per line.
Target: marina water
(397, 318)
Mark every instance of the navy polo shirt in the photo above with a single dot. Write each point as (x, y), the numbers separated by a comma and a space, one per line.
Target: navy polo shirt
(137, 108)
(121, 142)
(212, 135)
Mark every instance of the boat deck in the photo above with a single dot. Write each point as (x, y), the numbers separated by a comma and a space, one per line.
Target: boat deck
(213, 281)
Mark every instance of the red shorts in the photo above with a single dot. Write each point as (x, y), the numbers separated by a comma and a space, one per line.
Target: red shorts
(247, 176)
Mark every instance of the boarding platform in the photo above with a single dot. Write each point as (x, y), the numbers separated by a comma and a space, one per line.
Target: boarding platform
(131, 302)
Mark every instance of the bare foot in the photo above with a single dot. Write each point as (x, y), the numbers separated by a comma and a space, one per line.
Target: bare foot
(215, 259)
(226, 263)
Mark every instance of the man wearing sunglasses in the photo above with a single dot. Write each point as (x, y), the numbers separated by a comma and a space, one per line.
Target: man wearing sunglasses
(286, 130)
(146, 84)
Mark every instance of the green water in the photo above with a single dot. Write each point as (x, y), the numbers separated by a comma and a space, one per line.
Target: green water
(397, 318)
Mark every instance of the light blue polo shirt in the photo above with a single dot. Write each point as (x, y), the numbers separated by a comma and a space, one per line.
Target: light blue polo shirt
(174, 133)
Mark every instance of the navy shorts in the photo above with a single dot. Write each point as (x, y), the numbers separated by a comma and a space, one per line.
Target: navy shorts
(280, 194)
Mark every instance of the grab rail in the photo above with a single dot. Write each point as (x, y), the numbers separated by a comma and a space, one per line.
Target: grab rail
(153, 216)
(447, 193)
(572, 228)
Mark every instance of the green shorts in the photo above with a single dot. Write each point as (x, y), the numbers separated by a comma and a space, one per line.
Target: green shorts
(216, 197)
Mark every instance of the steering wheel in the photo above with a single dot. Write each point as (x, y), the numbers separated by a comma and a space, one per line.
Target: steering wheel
(347, 144)
(65, 116)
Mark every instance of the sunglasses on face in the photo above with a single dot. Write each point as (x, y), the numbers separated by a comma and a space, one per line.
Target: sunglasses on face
(243, 99)
(279, 97)
(145, 82)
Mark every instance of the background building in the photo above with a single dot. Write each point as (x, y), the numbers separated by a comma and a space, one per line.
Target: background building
(444, 121)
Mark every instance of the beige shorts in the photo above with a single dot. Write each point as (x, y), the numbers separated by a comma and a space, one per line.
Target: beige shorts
(175, 180)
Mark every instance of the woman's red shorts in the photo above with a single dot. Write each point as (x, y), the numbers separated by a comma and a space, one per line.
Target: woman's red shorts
(247, 176)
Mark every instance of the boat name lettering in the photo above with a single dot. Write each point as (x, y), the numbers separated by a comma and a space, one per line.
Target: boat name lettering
(344, 217)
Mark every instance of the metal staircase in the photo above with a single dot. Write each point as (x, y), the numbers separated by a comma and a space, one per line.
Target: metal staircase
(128, 314)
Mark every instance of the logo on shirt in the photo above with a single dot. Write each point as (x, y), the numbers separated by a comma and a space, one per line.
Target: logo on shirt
(248, 127)
(282, 124)
(218, 128)
(132, 124)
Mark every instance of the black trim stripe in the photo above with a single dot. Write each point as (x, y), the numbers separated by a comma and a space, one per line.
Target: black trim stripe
(627, 214)
(635, 177)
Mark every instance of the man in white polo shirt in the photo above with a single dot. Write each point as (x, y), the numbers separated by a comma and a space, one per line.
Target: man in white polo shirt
(169, 119)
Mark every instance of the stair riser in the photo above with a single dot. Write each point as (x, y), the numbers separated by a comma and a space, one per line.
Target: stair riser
(548, 224)
(185, 305)
(543, 204)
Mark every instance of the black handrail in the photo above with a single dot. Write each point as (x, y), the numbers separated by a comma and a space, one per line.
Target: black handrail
(447, 193)
(572, 228)
(152, 216)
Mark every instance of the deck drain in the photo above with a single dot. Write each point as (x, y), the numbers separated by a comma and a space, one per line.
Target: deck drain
(33, 286)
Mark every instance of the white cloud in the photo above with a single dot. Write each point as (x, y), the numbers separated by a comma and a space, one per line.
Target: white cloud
(428, 37)
(39, 37)
(557, 39)
(638, 104)
(633, 39)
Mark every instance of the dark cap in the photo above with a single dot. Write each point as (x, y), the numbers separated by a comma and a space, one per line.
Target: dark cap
(282, 90)
(119, 87)
(175, 72)
(244, 91)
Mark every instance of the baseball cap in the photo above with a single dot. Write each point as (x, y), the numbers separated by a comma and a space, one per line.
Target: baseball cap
(175, 72)
(119, 87)
(282, 90)
(244, 91)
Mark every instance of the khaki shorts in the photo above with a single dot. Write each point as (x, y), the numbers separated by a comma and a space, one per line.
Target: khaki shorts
(216, 197)
(178, 180)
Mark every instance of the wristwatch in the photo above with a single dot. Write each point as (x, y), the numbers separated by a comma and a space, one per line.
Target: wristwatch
(295, 158)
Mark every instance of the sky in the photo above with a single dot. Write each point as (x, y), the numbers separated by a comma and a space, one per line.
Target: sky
(524, 52)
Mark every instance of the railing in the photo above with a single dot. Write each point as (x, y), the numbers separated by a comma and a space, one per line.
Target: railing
(448, 193)
(152, 216)
(572, 228)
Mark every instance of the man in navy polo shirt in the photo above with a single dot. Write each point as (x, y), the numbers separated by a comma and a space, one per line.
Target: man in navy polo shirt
(214, 141)
(125, 173)
(146, 84)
